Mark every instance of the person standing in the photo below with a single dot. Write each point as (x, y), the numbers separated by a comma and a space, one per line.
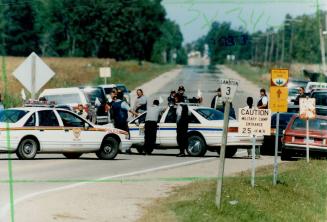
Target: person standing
(140, 104)
(181, 92)
(249, 103)
(171, 98)
(150, 127)
(182, 121)
(263, 101)
(217, 102)
(301, 95)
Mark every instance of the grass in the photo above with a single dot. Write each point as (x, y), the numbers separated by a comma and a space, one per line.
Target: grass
(83, 71)
(299, 196)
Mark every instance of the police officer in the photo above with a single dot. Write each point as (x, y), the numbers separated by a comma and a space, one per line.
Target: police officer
(217, 102)
(301, 95)
(182, 121)
(150, 127)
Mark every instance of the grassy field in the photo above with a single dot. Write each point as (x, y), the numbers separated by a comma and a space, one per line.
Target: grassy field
(299, 196)
(82, 71)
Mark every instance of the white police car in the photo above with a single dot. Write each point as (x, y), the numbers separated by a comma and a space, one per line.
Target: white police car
(205, 132)
(31, 130)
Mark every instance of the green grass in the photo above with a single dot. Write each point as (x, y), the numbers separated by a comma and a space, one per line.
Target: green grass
(299, 196)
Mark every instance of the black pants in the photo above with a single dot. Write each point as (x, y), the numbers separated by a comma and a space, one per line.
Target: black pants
(150, 136)
(182, 137)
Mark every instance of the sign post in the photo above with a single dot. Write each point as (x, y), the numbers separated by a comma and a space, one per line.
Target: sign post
(307, 111)
(228, 90)
(253, 123)
(33, 74)
(105, 72)
(278, 103)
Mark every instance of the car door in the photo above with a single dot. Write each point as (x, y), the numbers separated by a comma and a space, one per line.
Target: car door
(167, 128)
(52, 137)
(136, 129)
(82, 136)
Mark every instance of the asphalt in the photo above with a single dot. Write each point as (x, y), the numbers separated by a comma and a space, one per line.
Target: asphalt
(50, 172)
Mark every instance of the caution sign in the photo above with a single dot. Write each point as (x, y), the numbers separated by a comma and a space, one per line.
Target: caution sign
(255, 122)
(279, 77)
(228, 88)
(307, 108)
(278, 99)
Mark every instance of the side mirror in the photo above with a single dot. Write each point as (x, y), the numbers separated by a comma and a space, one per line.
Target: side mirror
(137, 122)
(86, 126)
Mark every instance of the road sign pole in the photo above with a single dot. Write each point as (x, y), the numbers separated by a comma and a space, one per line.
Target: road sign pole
(276, 151)
(253, 161)
(33, 72)
(222, 156)
(307, 140)
(105, 80)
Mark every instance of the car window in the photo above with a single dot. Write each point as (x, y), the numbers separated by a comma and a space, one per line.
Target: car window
(31, 121)
(70, 119)
(193, 119)
(122, 88)
(315, 124)
(211, 114)
(93, 93)
(171, 115)
(12, 116)
(47, 118)
(64, 98)
(107, 90)
(141, 119)
(321, 98)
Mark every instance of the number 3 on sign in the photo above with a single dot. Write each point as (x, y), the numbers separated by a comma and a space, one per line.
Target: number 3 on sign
(228, 91)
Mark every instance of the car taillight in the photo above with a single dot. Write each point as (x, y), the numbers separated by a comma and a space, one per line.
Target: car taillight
(232, 129)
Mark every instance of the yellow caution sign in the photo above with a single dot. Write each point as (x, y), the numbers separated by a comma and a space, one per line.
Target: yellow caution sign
(279, 77)
(278, 99)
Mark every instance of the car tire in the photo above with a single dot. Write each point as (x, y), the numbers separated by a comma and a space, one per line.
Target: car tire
(285, 155)
(72, 155)
(196, 146)
(230, 151)
(109, 149)
(27, 149)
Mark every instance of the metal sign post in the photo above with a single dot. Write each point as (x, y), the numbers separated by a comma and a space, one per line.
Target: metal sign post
(253, 161)
(222, 156)
(33, 72)
(276, 151)
(307, 140)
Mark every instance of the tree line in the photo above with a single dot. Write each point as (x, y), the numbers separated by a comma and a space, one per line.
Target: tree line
(119, 29)
(296, 40)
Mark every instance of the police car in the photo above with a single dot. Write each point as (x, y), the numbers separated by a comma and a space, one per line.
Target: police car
(205, 132)
(31, 130)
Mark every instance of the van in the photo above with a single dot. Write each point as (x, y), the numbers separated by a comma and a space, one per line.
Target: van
(315, 85)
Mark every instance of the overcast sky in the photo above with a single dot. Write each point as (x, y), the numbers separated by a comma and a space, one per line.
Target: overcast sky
(196, 16)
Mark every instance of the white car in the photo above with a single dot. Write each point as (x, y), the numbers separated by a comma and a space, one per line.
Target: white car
(205, 132)
(31, 130)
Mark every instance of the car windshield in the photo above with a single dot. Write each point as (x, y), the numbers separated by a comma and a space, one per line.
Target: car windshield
(321, 98)
(12, 116)
(315, 124)
(211, 114)
(64, 98)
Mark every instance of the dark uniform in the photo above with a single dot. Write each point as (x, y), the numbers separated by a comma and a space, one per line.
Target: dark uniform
(182, 128)
(120, 115)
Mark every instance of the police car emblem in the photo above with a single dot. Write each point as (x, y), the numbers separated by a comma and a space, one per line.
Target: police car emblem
(77, 133)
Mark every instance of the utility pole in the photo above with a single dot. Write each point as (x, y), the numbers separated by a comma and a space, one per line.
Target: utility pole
(271, 48)
(283, 46)
(277, 48)
(266, 50)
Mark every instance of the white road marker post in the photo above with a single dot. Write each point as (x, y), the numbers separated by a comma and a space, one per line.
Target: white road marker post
(222, 156)
(33, 72)
(276, 150)
(253, 161)
(307, 140)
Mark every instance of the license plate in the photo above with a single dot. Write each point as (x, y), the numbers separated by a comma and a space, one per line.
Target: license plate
(309, 141)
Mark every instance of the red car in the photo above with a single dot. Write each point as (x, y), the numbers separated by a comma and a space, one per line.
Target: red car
(294, 139)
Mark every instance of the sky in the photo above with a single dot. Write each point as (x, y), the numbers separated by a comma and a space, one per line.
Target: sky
(196, 16)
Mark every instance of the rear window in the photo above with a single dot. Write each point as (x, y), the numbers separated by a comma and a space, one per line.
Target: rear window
(12, 116)
(315, 124)
(321, 98)
(93, 93)
(64, 99)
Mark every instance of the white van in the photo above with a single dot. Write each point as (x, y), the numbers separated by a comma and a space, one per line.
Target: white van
(315, 85)
(72, 97)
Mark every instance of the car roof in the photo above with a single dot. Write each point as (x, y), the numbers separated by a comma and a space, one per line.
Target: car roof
(108, 85)
(55, 91)
(317, 117)
(33, 109)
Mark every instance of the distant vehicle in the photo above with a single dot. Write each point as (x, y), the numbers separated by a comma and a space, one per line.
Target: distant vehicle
(294, 139)
(107, 88)
(293, 85)
(96, 95)
(69, 98)
(205, 132)
(321, 101)
(49, 130)
(268, 146)
(314, 86)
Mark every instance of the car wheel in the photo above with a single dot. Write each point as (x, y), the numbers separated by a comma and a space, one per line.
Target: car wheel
(285, 155)
(196, 146)
(230, 151)
(109, 149)
(27, 149)
(72, 155)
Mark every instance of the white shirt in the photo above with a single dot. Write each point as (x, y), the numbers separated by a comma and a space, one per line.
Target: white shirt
(264, 100)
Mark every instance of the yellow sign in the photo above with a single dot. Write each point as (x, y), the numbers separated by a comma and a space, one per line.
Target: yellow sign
(278, 99)
(279, 77)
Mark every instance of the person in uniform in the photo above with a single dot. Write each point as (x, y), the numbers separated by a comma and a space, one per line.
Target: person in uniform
(263, 101)
(182, 121)
(171, 98)
(217, 102)
(150, 127)
(301, 95)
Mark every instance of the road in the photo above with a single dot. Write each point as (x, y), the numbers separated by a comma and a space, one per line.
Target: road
(50, 173)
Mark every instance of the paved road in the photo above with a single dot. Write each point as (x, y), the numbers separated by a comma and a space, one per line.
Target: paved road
(48, 172)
